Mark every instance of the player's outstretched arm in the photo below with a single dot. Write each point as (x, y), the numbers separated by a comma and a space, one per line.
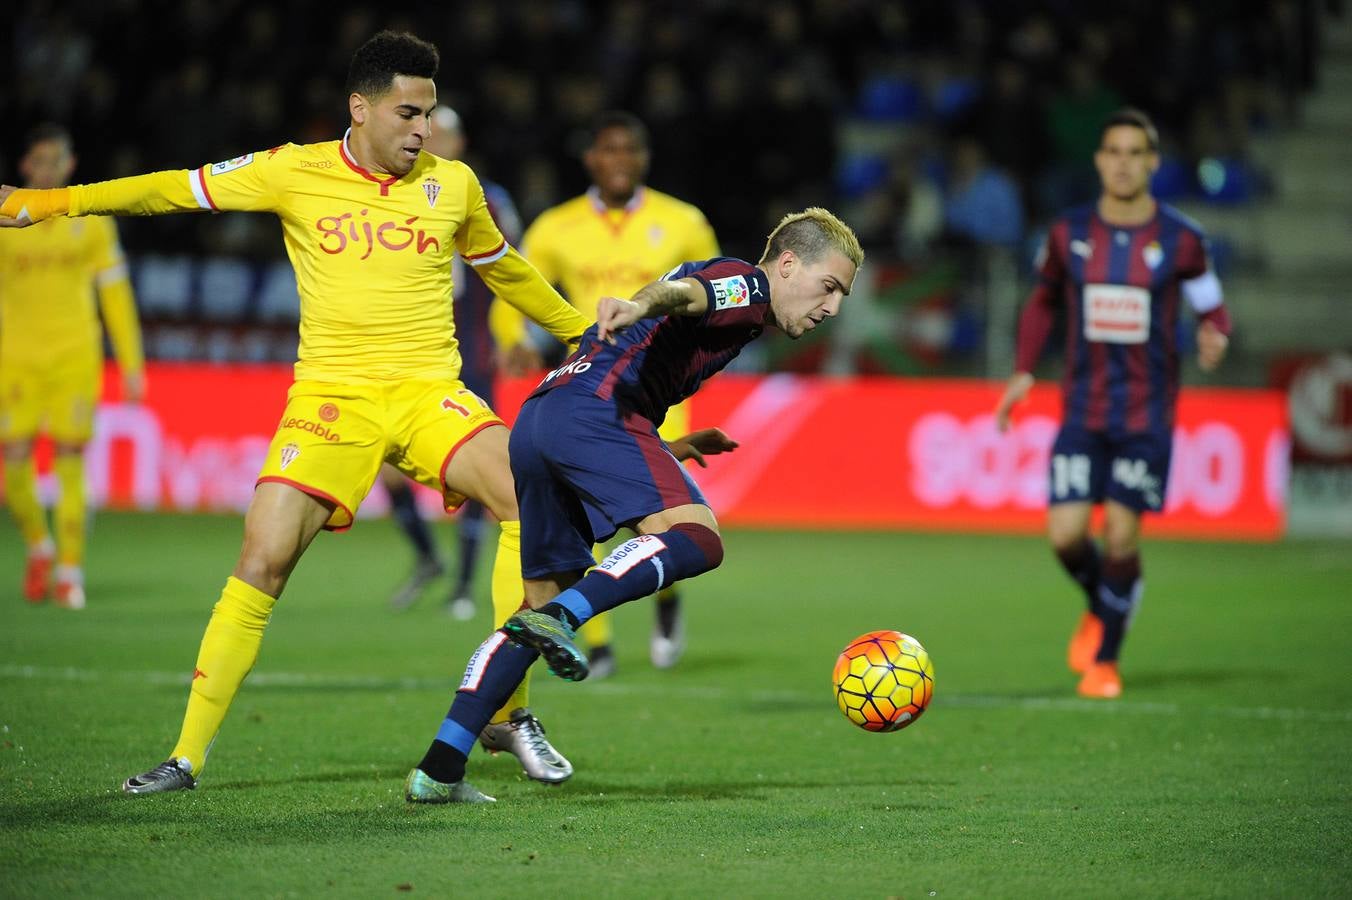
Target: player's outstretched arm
(513, 279)
(1017, 388)
(698, 444)
(139, 195)
(683, 297)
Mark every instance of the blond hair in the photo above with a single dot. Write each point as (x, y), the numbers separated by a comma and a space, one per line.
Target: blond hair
(810, 233)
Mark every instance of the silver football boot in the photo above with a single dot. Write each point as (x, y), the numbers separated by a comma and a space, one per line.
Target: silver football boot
(420, 787)
(523, 736)
(170, 775)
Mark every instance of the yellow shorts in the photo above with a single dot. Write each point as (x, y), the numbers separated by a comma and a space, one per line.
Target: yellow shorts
(333, 438)
(677, 423)
(59, 402)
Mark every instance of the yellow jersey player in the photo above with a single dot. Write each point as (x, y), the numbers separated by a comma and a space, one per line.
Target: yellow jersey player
(51, 363)
(371, 223)
(609, 242)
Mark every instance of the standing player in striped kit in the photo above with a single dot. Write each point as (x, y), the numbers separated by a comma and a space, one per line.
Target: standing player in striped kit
(1120, 269)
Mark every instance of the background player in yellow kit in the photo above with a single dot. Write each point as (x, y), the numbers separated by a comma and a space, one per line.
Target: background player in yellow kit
(51, 363)
(609, 242)
(371, 224)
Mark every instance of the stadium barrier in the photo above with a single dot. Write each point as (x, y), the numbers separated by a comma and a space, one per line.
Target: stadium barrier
(868, 452)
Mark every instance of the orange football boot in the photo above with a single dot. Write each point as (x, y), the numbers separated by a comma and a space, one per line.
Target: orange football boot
(37, 578)
(1084, 643)
(1101, 682)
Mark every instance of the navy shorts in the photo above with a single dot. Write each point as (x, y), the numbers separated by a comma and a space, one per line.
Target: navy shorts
(584, 469)
(1091, 466)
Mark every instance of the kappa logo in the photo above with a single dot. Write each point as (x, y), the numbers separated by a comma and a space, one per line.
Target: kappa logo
(1082, 249)
(731, 291)
(1153, 254)
(231, 165)
(289, 454)
(432, 188)
(755, 288)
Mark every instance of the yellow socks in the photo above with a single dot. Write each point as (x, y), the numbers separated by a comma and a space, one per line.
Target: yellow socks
(70, 515)
(508, 594)
(229, 650)
(21, 493)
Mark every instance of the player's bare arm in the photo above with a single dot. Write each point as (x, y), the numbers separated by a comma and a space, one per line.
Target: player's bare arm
(683, 297)
(1211, 346)
(698, 444)
(1016, 389)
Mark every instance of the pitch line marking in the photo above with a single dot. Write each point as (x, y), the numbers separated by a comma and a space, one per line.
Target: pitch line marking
(694, 692)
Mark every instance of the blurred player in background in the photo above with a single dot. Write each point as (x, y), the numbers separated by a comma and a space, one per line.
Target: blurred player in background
(1119, 270)
(609, 242)
(371, 224)
(588, 460)
(51, 363)
(472, 301)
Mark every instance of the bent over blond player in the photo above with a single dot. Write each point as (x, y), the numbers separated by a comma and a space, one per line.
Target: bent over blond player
(609, 242)
(51, 364)
(370, 224)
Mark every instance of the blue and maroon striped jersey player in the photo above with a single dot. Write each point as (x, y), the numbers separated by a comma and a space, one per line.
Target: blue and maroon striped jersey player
(473, 299)
(658, 362)
(1121, 288)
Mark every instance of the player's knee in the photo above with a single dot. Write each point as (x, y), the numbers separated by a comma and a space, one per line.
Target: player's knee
(707, 540)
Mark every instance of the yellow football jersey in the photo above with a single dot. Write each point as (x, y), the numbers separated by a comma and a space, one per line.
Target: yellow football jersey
(48, 273)
(592, 252)
(372, 254)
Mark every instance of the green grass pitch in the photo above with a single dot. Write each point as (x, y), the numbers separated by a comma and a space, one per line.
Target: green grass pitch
(1224, 771)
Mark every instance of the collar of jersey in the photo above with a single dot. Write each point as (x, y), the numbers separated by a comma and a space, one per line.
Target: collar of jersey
(351, 161)
(594, 195)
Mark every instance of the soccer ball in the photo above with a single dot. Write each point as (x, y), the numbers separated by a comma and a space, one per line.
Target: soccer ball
(883, 680)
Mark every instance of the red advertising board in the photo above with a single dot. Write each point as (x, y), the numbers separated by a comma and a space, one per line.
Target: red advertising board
(816, 452)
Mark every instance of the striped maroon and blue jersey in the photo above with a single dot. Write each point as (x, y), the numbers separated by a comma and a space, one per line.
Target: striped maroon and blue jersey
(658, 362)
(1120, 289)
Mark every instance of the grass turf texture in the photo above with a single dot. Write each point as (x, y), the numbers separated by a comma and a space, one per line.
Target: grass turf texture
(1224, 770)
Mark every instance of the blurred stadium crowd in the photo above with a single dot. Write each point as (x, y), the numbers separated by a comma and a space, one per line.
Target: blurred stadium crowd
(936, 129)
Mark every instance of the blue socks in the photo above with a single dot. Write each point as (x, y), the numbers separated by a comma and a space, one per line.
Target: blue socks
(494, 671)
(1119, 593)
(637, 568)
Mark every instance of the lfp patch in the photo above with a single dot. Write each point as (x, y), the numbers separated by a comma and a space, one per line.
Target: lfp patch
(731, 291)
(231, 165)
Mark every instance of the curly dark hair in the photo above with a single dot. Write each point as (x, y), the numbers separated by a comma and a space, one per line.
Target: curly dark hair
(386, 55)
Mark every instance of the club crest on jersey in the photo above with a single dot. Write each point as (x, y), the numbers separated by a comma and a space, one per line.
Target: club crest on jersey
(1082, 249)
(731, 291)
(432, 188)
(289, 454)
(1153, 254)
(231, 165)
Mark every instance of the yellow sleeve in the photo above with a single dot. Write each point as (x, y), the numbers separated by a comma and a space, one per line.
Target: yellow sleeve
(506, 323)
(516, 281)
(510, 277)
(139, 195)
(248, 183)
(116, 302)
